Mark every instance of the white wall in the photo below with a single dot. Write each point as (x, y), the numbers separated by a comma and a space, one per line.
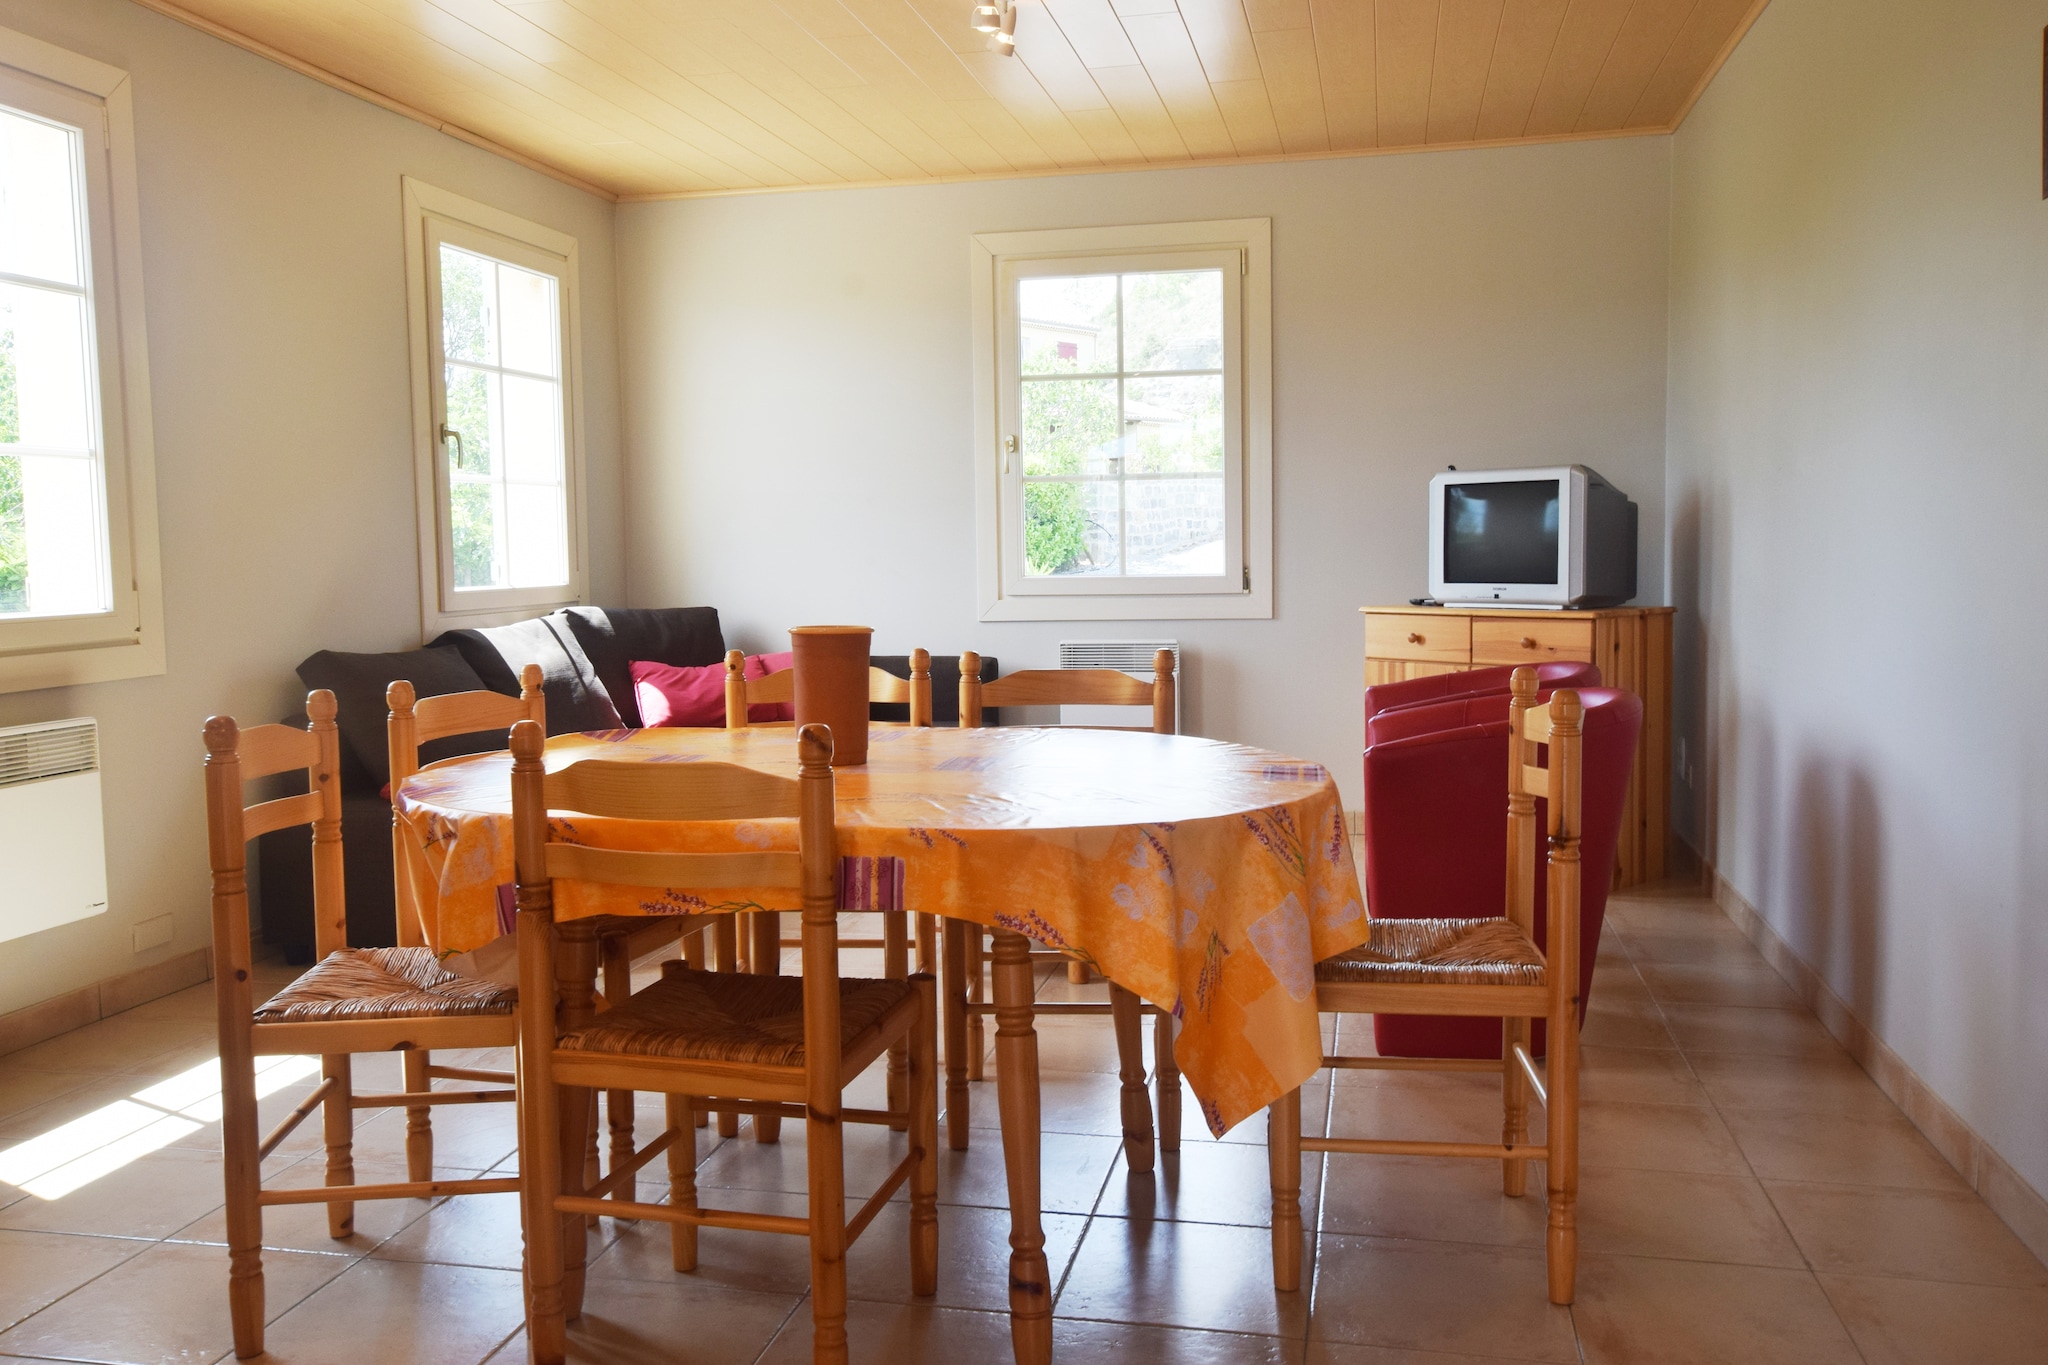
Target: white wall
(1858, 415)
(798, 379)
(277, 348)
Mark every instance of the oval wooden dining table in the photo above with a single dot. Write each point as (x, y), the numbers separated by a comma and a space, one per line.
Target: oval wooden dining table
(1206, 877)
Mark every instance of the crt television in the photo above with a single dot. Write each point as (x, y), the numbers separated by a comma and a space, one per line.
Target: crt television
(1556, 536)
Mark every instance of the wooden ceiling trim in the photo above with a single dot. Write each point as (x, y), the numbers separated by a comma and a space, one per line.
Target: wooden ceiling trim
(647, 99)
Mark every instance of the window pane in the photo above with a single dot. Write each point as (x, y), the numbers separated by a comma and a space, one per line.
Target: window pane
(526, 320)
(536, 535)
(13, 540)
(469, 411)
(1174, 527)
(1071, 427)
(39, 233)
(1173, 320)
(533, 430)
(473, 526)
(1070, 528)
(1174, 426)
(468, 305)
(1067, 323)
(60, 506)
(49, 370)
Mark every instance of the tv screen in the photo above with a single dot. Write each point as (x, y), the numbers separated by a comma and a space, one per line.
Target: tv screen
(1501, 532)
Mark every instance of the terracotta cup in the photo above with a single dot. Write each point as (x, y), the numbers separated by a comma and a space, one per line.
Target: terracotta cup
(832, 686)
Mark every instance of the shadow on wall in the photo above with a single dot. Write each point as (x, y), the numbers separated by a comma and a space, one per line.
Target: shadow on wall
(1834, 845)
(1691, 806)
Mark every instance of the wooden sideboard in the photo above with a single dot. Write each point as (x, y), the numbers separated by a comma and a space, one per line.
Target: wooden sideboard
(1631, 645)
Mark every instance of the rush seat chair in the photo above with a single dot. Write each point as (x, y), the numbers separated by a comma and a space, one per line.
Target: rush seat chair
(1493, 968)
(964, 1006)
(351, 1000)
(760, 1044)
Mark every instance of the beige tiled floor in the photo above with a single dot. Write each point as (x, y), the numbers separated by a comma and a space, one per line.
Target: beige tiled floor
(1749, 1197)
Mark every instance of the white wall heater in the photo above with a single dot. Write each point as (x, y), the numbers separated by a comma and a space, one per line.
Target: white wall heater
(53, 841)
(1133, 657)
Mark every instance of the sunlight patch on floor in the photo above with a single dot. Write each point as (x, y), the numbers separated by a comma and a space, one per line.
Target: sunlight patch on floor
(73, 1155)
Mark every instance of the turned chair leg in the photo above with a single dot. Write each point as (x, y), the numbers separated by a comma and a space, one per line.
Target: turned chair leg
(618, 1104)
(693, 958)
(419, 1124)
(1514, 1095)
(1077, 971)
(337, 1122)
(1283, 1152)
(682, 1180)
(826, 1157)
(896, 967)
(1166, 1078)
(977, 970)
(765, 932)
(243, 1169)
(924, 1133)
(726, 937)
(1127, 1011)
(955, 936)
(1561, 1125)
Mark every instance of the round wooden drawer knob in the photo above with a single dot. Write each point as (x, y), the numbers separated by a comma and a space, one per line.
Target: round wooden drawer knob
(1528, 642)
(1414, 638)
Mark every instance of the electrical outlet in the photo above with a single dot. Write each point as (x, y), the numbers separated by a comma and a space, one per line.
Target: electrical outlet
(152, 933)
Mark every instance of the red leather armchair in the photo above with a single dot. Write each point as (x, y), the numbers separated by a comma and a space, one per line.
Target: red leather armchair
(1436, 836)
(1471, 683)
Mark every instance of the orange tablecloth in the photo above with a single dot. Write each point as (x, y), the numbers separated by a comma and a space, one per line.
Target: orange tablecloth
(1206, 877)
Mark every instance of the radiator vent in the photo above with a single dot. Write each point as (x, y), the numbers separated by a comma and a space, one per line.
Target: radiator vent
(1131, 656)
(30, 753)
(53, 851)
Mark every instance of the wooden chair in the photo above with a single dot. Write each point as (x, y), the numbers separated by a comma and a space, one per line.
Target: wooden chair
(763, 930)
(414, 722)
(1483, 967)
(351, 1000)
(760, 1043)
(965, 1005)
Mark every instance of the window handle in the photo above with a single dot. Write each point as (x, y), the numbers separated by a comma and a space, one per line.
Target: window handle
(448, 434)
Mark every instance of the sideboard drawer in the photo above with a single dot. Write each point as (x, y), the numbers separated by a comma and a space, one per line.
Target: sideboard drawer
(1525, 640)
(1436, 637)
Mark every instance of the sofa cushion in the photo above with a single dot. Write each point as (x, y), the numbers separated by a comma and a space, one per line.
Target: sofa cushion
(358, 682)
(613, 637)
(576, 700)
(664, 694)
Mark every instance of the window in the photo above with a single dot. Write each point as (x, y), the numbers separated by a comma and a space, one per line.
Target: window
(1123, 381)
(495, 383)
(79, 589)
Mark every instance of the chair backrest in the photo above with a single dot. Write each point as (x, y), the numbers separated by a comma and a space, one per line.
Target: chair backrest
(1554, 727)
(1383, 697)
(235, 756)
(1069, 687)
(416, 721)
(687, 792)
(780, 686)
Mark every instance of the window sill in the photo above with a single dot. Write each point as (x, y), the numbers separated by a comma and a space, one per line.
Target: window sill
(1242, 606)
(142, 658)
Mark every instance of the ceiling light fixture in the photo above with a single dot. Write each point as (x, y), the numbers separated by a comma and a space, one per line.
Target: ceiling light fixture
(999, 22)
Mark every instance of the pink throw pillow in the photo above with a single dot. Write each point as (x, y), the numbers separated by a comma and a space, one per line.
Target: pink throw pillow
(760, 666)
(672, 695)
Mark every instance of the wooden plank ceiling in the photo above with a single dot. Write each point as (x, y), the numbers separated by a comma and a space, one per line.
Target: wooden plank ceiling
(658, 98)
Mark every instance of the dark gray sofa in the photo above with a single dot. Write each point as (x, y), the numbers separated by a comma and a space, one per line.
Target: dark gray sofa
(585, 655)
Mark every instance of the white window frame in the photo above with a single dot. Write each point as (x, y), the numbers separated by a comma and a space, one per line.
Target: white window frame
(433, 215)
(126, 641)
(997, 259)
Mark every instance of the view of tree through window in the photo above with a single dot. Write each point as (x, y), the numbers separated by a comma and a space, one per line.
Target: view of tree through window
(53, 557)
(500, 334)
(1122, 415)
